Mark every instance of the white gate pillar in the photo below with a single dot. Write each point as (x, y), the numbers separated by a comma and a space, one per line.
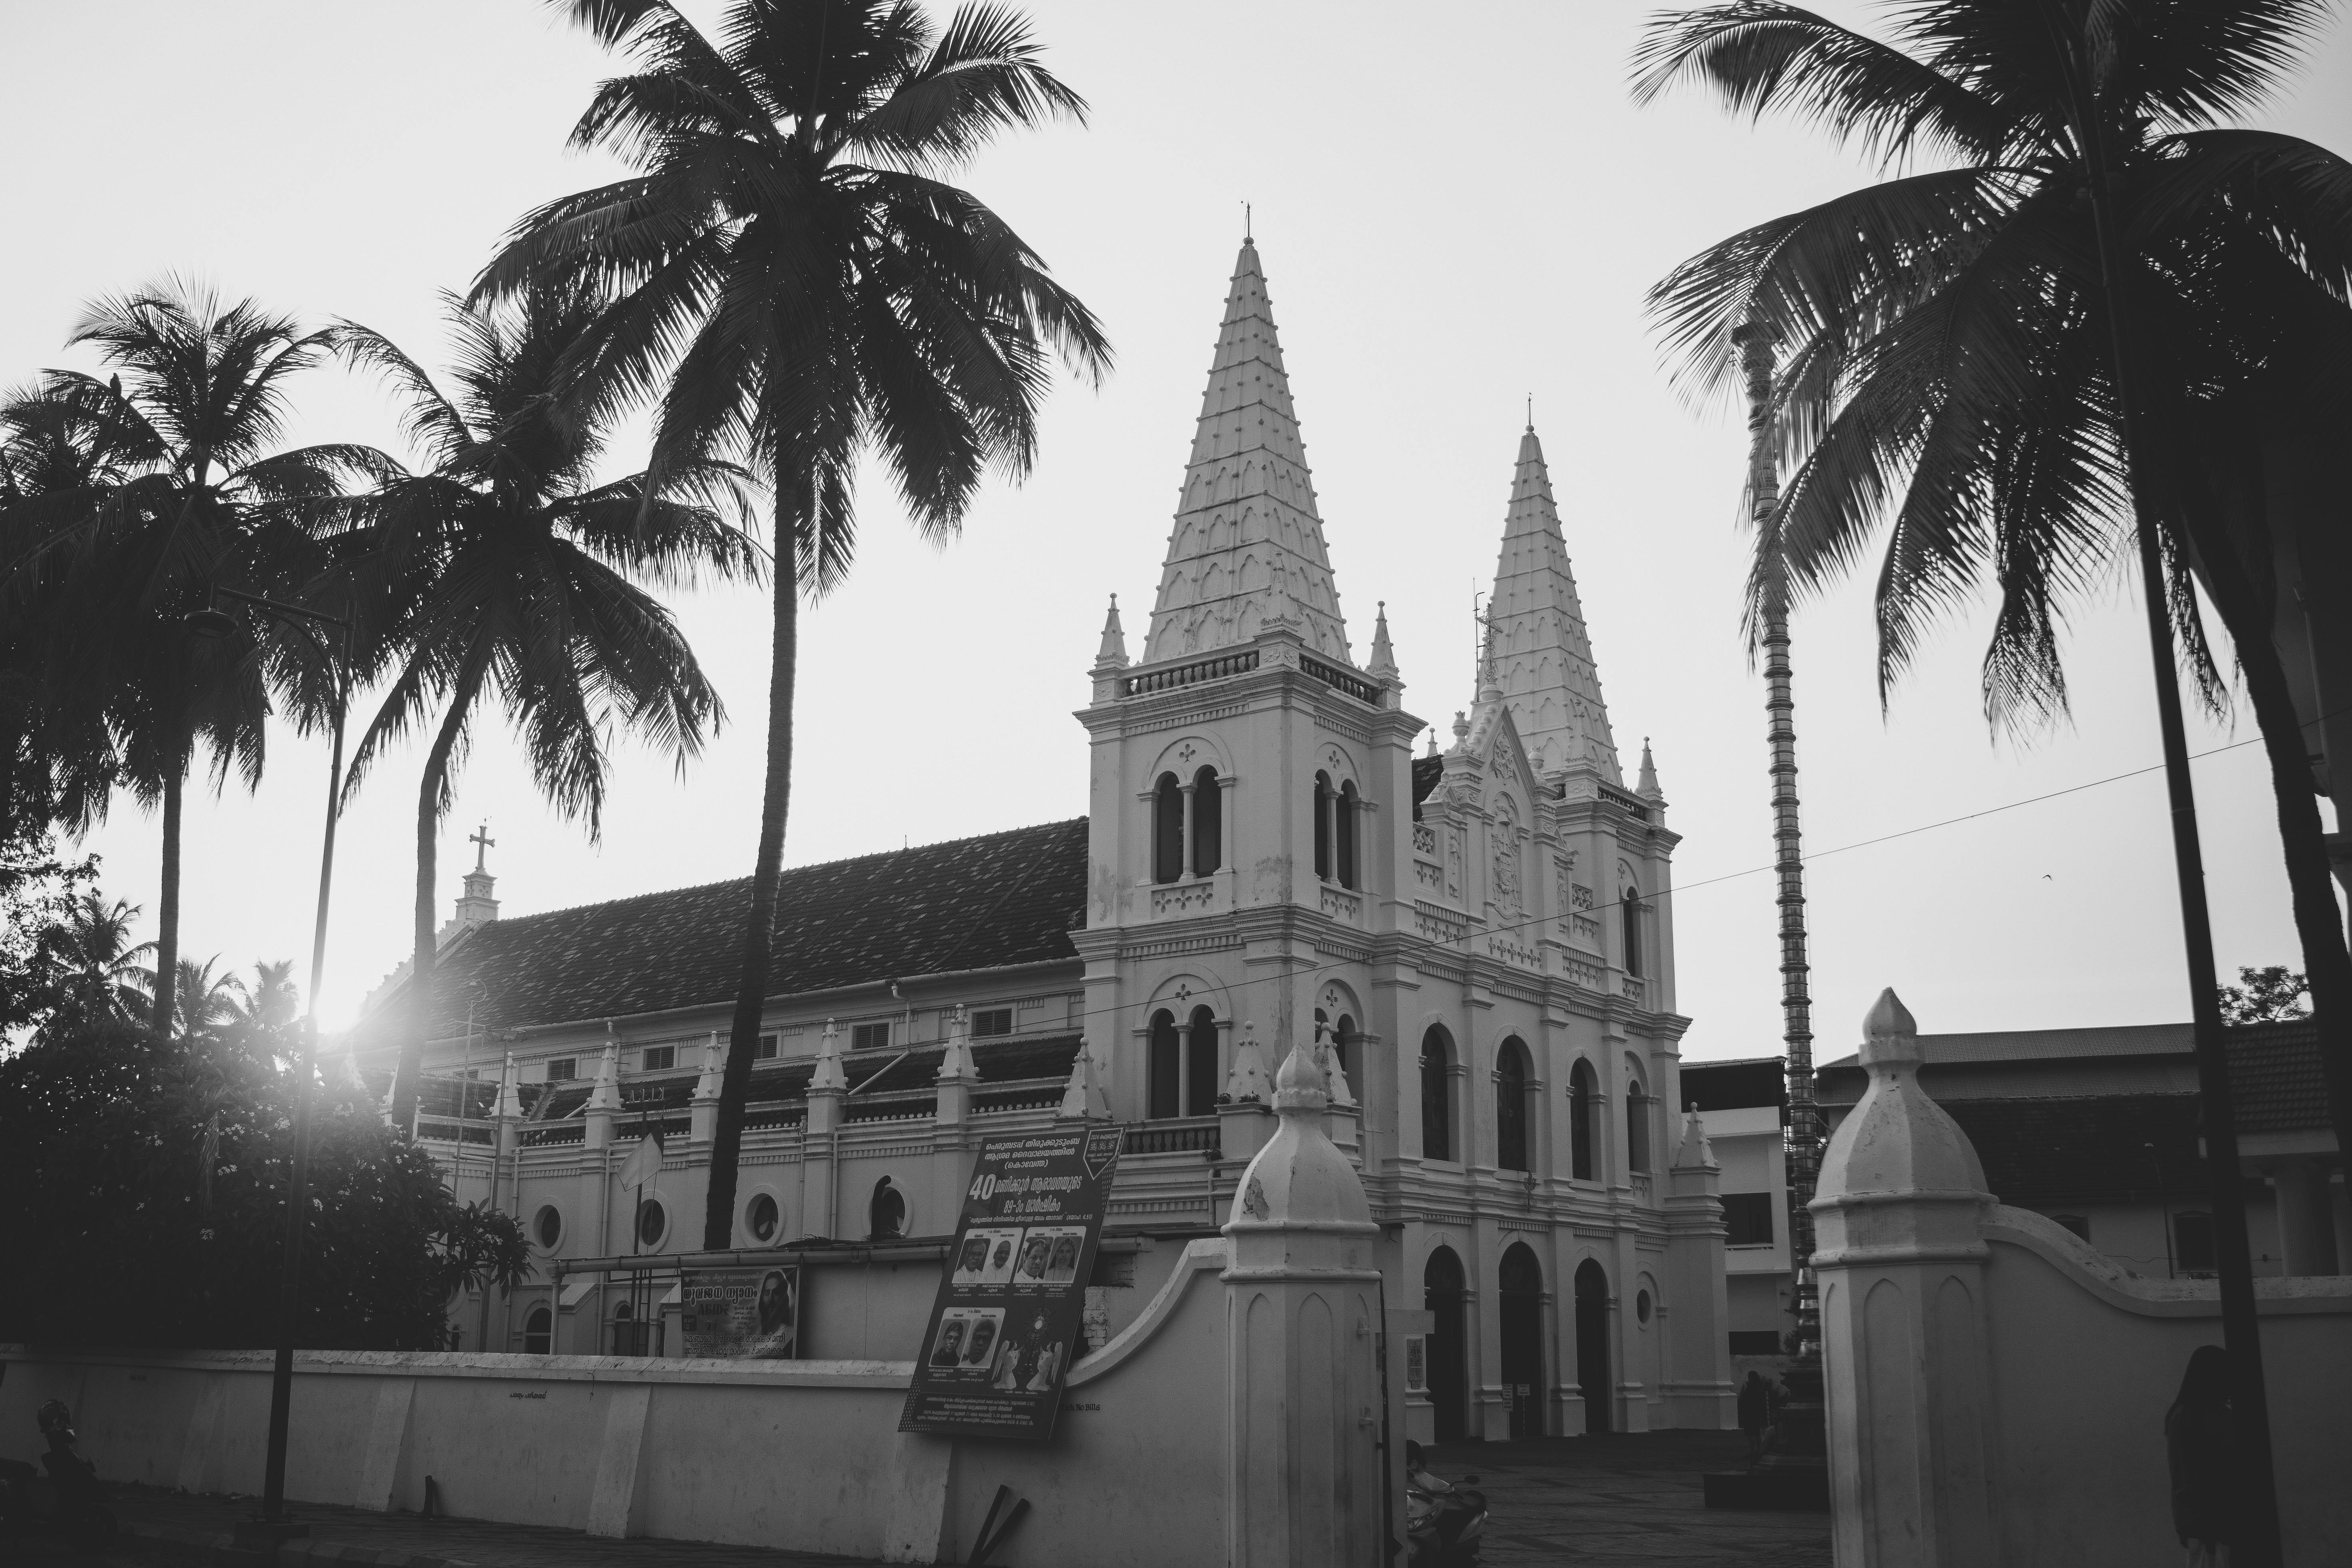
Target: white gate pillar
(1904, 1352)
(1302, 1303)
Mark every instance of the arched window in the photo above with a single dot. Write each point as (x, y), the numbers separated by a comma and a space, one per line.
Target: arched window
(1521, 1279)
(1344, 825)
(1201, 1075)
(1167, 830)
(1323, 825)
(1630, 906)
(1436, 1089)
(537, 1332)
(1511, 1107)
(1208, 822)
(1582, 1092)
(1441, 1296)
(886, 1214)
(1165, 1078)
(1637, 1127)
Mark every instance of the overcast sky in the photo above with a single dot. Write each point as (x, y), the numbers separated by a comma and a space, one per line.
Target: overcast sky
(1457, 207)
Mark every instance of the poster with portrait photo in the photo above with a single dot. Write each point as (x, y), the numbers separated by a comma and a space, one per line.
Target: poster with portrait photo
(742, 1314)
(1004, 1327)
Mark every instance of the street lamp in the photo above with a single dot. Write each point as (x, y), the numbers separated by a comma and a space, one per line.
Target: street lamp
(214, 622)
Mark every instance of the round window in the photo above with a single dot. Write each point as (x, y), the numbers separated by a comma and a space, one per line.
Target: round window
(759, 1219)
(652, 1223)
(1642, 1305)
(889, 1214)
(547, 1225)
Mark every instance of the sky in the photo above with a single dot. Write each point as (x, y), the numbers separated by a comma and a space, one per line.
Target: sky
(1458, 210)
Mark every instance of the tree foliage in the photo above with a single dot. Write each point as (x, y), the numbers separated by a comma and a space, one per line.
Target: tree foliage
(149, 1178)
(2271, 994)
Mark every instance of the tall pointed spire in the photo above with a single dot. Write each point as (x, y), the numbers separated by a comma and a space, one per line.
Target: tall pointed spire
(1536, 633)
(1247, 549)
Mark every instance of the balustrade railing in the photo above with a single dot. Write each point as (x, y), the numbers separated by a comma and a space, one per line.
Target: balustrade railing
(1193, 674)
(1355, 686)
(1170, 1137)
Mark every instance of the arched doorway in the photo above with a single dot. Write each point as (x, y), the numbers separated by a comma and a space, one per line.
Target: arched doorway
(1441, 1293)
(1592, 1343)
(1522, 1307)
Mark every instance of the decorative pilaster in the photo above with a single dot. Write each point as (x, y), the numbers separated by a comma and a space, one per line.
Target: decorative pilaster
(1303, 1476)
(958, 1073)
(702, 1124)
(604, 1107)
(507, 1118)
(828, 1087)
(1899, 1253)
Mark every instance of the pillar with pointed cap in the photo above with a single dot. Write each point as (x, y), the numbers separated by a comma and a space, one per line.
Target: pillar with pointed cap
(1696, 1391)
(1302, 1310)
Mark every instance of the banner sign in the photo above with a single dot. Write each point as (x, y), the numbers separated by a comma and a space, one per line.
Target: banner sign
(743, 1314)
(1005, 1326)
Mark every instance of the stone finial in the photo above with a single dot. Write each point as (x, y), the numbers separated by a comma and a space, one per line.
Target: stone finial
(1897, 1138)
(1248, 1083)
(1490, 670)
(1334, 1075)
(1432, 740)
(509, 1104)
(1301, 1085)
(829, 1077)
(1383, 666)
(1461, 728)
(1695, 1152)
(956, 1065)
(605, 1093)
(1300, 1180)
(1647, 788)
(1082, 1095)
(1112, 655)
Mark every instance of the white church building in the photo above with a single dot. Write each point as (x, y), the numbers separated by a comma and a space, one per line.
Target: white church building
(1482, 934)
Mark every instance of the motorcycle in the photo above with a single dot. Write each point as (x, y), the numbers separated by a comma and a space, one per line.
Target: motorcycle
(70, 1499)
(1443, 1522)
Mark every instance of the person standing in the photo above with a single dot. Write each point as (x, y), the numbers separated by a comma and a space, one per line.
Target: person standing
(2198, 1442)
(1755, 1406)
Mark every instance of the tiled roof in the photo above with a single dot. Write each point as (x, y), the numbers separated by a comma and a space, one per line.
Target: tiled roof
(2276, 1084)
(973, 903)
(1732, 1085)
(2041, 1045)
(1426, 772)
(2038, 1152)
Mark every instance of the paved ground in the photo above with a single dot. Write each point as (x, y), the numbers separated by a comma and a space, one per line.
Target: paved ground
(1630, 1499)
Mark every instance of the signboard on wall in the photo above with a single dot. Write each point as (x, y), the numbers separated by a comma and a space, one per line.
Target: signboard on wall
(1005, 1325)
(743, 1314)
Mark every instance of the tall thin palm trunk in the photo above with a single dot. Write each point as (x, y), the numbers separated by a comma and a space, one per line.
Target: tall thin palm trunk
(167, 909)
(759, 927)
(1802, 1140)
(411, 1071)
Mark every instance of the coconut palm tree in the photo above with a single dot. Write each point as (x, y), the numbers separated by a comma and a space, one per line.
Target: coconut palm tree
(178, 492)
(2042, 357)
(1949, 359)
(794, 275)
(507, 570)
(104, 965)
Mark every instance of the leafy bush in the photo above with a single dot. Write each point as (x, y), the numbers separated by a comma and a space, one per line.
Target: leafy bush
(150, 1181)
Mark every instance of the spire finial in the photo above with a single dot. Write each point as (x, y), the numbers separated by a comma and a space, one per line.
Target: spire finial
(1647, 787)
(1531, 412)
(1246, 237)
(483, 843)
(1113, 652)
(1383, 665)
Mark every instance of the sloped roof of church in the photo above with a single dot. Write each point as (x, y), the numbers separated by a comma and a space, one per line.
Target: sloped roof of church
(1248, 547)
(971, 903)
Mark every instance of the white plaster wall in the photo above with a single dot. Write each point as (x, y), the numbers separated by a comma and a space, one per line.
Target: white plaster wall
(805, 1455)
(2085, 1362)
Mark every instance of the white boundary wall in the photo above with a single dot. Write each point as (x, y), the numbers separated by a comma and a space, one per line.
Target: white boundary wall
(804, 1455)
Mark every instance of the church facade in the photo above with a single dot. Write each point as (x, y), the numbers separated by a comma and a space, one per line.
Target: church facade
(1476, 942)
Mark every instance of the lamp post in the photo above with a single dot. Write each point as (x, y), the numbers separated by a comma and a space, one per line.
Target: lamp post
(212, 622)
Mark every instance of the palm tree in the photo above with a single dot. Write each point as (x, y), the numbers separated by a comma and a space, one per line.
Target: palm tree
(203, 1003)
(791, 270)
(178, 492)
(507, 570)
(1949, 358)
(93, 944)
(2013, 359)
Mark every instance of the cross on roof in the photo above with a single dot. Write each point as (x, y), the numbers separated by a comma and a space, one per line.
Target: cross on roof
(482, 842)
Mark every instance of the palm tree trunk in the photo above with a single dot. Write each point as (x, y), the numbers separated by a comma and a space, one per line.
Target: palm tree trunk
(759, 922)
(167, 910)
(420, 962)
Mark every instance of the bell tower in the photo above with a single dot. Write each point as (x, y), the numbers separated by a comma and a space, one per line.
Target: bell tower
(1251, 784)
